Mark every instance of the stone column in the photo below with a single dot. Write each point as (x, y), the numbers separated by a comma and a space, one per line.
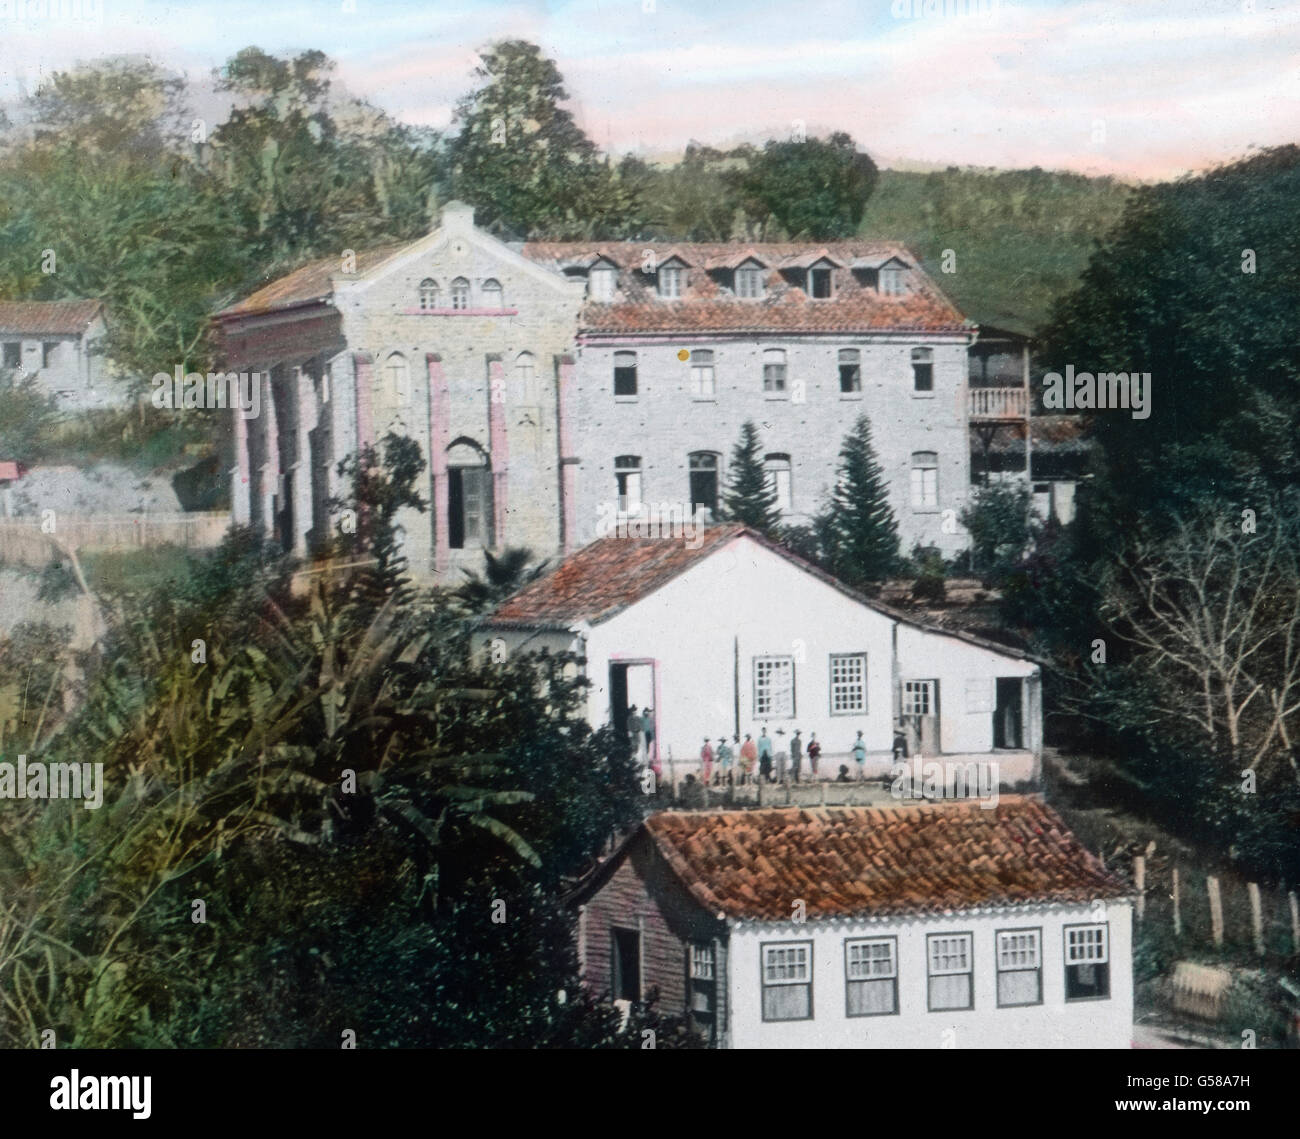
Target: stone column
(303, 474)
(241, 506)
(568, 461)
(439, 440)
(363, 380)
(269, 479)
(498, 447)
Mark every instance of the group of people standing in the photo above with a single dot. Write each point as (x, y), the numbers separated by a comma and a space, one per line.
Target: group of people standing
(763, 759)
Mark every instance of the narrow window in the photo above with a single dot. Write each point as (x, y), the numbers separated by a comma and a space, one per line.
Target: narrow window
(600, 284)
(923, 369)
(1020, 968)
(871, 976)
(777, 468)
(1087, 962)
(749, 283)
(950, 971)
(891, 282)
(396, 390)
(469, 497)
(429, 296)
(13, 354)
(627, 476)
(703, 986)
(773, 370)
(925, 480)
(670, 282)
(850, 371)
(773, 687)
(526, 378)
(702, 374)
(492, 293)
(625, 373)
(625, 976)
(848, 684)
(704, 481)
(460, 293)
(787, 981)
(819, 284)
(48, 348)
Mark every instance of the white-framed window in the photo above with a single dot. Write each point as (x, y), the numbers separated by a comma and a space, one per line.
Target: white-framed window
(923, 370)
(460, 293)
(671, 279)
(950, 971)
(749, 282)
(702, 383)
(820, 283)
(1087, 962)
(871, 976)
(526, 378)
(774, 370)
(627, 475)
(787, 980)
(625, 374)
(1020, 967)
(601, 283)
(850, 371)
(702, 988)
(848, 683)
(773, 687)
(918, 698)
(893, 283)
(925, 480)
(492, 293)
(702, 967)
(430, 295)
(778, 470)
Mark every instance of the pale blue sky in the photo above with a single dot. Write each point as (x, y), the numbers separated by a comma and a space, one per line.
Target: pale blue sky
(1147, 88)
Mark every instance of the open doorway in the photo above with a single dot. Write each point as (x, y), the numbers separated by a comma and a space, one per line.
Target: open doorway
(1008, 713)
(632, 705)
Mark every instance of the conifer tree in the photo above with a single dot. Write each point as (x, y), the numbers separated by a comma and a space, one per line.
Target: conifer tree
(750, 496)
(859, 526)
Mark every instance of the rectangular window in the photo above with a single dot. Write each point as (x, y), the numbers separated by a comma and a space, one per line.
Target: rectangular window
(48, 348)
(787, 981)
(925, 480)
(950, 971)
(749, 283)
(848, 683)
(1087, 962)
(703, 475)
(918, 698)
(703, 1003)
(891, 282)
(702, 374)
(774, 370)
(627, 476)
(600, 285)
(871, 977)
(625, 373)
(670, 282)
(850, 371)
(1020, 968)
(773, 687)
(819, 281)
(13, 353)
(922, 369)
(625, 976)
(778, 471)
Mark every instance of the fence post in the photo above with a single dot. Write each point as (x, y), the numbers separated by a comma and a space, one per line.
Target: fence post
(1178, 913)
(1216, 910)
(1140, 882)
(1256, 916)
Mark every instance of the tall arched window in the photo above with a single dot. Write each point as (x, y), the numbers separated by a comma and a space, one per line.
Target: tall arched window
(429, 294)
(526, 378)
(492, 293)
(704, 470)
(777, 468)
(925, 480)
(394, 383)
(627, 476)
(469, 495)
(460, 293)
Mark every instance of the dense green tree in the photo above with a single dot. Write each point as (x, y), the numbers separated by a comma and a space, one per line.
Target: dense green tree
(859, 528)
(1001, 530)
(503, 574)
(814, 189)
(750, 496)
(522, 160)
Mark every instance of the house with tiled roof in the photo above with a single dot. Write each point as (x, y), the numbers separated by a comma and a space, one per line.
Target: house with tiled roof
(718, 633)
(59, 344)
(940, 926)
(550, 384)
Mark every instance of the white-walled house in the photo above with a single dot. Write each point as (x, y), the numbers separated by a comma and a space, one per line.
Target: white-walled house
(943, 925)
(723, 633)
(59, 343)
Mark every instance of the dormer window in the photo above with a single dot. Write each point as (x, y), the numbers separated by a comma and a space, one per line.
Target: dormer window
(601, 282)
(749, 282)
(671, 280)
(429, 294)
(819, 283)
(492, 293)
(892, 281)
(460, 293)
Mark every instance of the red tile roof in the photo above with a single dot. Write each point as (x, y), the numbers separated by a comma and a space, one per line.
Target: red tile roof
(56, 318)
(849, 862)
(710, 306)
(310, 282)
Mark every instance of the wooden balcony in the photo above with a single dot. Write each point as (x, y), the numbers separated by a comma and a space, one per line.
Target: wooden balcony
(1007, 404)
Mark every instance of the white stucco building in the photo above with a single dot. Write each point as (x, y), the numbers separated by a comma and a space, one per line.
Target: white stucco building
(724, 633)
(60, 345)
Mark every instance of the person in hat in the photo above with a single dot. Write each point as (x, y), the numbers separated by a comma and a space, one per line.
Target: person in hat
(724, 757)
(765, 756)
(748, 757)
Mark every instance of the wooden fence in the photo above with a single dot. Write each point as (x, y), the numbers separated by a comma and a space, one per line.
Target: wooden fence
(23, 542)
